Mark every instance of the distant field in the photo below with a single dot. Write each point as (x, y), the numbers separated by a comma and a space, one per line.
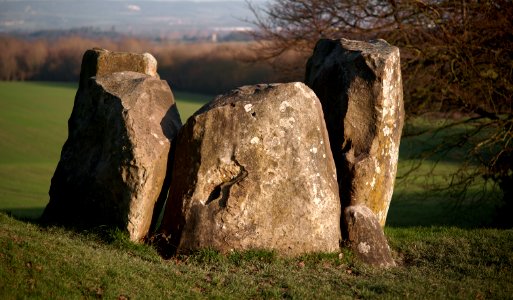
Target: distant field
(33, 128)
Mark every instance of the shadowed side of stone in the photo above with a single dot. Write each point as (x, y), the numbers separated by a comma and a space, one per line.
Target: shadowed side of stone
(253, 169)
(366, 238)
(114, 162)
(359, 86)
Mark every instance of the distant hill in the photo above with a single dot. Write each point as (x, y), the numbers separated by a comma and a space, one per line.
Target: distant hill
(165, 19)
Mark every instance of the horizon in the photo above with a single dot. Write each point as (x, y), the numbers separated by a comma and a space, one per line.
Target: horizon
(137, 17)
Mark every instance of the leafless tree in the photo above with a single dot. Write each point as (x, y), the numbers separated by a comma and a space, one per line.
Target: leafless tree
(456, 56)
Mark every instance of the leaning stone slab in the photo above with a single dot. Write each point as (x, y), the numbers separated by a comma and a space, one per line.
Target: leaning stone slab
(366, 238)
(253, 169)
(99, 62)
(113, 165)
(359, 86)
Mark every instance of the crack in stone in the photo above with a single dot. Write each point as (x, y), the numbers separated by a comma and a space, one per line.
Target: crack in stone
(220, 192)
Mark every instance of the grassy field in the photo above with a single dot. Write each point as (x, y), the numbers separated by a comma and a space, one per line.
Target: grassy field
(441, 250)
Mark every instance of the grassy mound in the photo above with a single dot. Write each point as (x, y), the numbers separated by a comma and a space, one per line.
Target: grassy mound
(435, 263)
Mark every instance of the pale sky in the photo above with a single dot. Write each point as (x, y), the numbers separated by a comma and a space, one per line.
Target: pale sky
(123, 15)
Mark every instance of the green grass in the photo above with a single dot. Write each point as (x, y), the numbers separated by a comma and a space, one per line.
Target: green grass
(434, 263)
(33, 128)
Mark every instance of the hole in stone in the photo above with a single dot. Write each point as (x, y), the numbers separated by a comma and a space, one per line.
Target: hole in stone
(253, 114)
(214, 195)
(232, 104)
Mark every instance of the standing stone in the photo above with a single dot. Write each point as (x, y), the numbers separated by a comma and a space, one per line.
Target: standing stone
(366, 238)
(359, 86)
(253, 169)
(114, 163)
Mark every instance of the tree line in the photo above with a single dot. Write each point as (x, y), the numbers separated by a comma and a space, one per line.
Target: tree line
(209, 68)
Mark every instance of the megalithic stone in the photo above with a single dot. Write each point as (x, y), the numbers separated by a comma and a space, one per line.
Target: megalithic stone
(113, 166)
(360, 88)
(115, 162)
(253, 170)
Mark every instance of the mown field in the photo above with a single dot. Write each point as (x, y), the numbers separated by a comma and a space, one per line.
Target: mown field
(440, 244)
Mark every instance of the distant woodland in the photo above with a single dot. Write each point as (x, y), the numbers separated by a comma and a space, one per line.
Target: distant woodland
(205, 67)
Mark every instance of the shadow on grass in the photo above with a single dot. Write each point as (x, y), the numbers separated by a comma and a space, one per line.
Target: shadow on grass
(421, 209)
(406, 210)
(30, 214)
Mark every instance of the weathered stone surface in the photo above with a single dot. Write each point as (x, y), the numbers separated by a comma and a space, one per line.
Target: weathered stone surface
(359, 86)
(366, 238)
(253, 169)
(114, 163)
(99, 62)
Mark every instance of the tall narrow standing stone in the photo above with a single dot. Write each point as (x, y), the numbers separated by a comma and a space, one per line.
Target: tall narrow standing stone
(359, 86)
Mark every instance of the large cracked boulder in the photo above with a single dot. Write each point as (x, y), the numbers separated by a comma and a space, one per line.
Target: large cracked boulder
(366, 238)
(253, 169)
(359, 86)
(114, 163)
